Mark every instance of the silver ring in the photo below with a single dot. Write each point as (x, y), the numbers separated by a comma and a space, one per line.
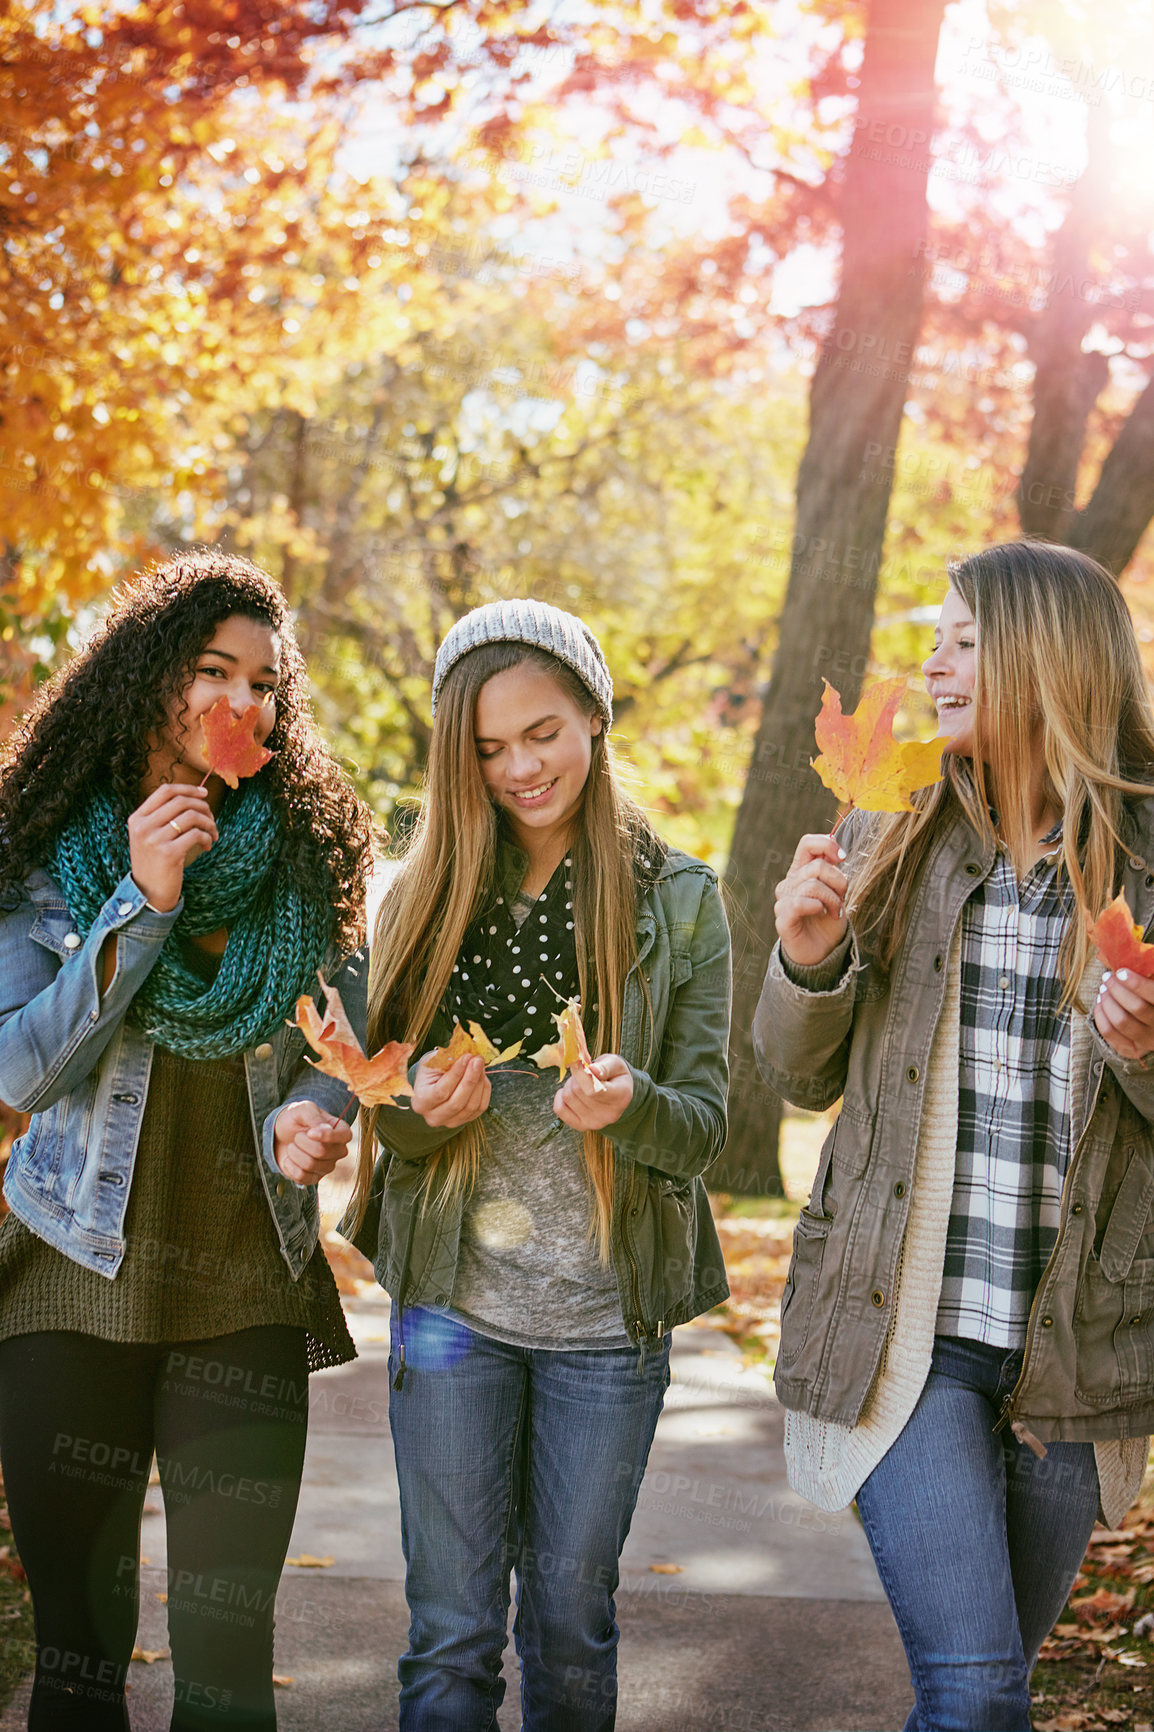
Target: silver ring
(173, 825)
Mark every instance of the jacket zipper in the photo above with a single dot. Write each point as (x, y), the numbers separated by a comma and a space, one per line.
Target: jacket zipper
(1006, 1417)
(399, 1379)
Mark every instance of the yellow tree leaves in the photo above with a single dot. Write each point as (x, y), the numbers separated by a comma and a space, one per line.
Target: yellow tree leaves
(473, 1044)
(1119, 940)
(860, 760)
(378, 1081)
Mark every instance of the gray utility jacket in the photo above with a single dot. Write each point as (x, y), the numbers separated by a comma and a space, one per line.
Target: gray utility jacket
(663, 1242)
(1088, 1371)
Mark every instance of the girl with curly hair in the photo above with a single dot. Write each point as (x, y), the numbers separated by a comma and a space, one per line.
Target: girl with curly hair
(161, 1288)
(539, 1241)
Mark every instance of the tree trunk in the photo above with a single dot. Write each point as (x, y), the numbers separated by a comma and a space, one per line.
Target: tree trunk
(1122, 504)
(1067, 382)
(843, 490)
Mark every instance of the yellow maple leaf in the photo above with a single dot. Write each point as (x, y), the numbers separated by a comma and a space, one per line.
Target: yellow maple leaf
(475, 1043)
(571, 1048)
(860, 760)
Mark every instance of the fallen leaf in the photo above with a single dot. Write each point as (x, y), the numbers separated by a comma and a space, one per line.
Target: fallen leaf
(860, 760)
(1102, 1603)
(475, 1043)
(376, 1081)
(667, 1569)
(280, 1679)
(230, 747)
(306, 1561)
(163, 1598)
(1119, 941)
(571, 1048)
(150, 1655)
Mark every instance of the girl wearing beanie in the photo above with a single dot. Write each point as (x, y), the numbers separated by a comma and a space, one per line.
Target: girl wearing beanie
(539, 1241)
(160, 1282)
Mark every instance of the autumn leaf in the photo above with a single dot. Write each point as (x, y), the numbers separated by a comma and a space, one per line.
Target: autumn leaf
(667, 1569)
(475, 1043)
(150, 1655)
(571, 1048)
(376, 1081)
(230, 742)
(860, 760)
(306, 1561)
(1119, 940)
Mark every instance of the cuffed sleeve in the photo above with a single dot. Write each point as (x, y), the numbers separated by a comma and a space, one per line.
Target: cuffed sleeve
(801, 1034)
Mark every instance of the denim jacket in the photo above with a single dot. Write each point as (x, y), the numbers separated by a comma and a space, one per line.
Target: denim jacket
(674, 1034)
(69, 1057)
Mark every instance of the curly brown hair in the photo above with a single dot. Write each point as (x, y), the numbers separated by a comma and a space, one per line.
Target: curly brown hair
(91, 724)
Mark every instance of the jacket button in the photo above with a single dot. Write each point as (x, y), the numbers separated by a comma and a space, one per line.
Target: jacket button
(72, 942)
(913, 1073)
(972, 868)
(129, 1100)
(938, 960)
(900, 1188)
(1047, 1323)
(280, 1187)
(1134, 1321)
(1150, 880)
(1076, 1209)
(1137, 862)
(877, 1297)
(264, 1050)
(124, 908)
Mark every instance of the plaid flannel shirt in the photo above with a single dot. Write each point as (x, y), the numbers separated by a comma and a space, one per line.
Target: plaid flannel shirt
(1013, 1103)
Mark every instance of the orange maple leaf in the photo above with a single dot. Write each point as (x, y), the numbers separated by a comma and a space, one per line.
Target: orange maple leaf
(571, 1048)
(862, 762)
(375, 1081)
(1119, 940)
(230, 742)
(474, 1043)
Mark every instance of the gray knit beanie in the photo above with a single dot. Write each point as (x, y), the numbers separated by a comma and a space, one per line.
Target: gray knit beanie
(531, 622)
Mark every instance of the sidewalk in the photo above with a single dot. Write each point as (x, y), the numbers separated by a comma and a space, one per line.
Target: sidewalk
(772, 1619)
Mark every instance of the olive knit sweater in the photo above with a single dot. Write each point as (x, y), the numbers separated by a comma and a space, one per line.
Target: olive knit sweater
(202, 1256)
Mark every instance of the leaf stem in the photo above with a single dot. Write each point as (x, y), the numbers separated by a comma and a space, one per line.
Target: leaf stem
(841, 820)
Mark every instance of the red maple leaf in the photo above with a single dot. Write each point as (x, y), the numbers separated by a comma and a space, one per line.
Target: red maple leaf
(230, 742)
(376, 1081)
(1119, 941)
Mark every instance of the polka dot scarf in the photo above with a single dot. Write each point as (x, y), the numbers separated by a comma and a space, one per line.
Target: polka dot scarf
(513, 979)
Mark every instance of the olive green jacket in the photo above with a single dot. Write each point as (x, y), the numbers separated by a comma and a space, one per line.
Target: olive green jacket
(664, 1246)
(1088, 1371)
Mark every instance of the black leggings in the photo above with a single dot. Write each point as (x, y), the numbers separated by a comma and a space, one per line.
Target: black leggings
(79, 1420)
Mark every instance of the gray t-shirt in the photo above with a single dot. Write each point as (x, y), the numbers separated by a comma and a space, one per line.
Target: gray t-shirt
(528, 1272)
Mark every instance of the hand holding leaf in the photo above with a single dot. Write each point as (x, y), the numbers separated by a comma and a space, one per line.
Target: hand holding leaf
(571, 1048)
(230, 746)
(474, 1044)
(1119, 940)
(860, 760)
(376, 1081)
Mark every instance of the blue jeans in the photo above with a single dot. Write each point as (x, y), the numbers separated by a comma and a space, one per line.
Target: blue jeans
(976, 1542)
(515, 1458)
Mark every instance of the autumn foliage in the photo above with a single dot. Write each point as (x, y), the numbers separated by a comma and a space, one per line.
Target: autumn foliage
(230, 744)
(471, 1043)
(570, 1048)
(1119, 940)
(376, 1082)
(860, 760)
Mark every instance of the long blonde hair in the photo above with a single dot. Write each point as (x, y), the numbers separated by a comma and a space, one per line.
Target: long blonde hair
(1057, 657)
(448, 879)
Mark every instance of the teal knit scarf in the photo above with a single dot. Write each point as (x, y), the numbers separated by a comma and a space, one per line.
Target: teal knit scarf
(276, 939)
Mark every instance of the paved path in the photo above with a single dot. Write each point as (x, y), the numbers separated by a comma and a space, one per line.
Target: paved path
(773, 1620)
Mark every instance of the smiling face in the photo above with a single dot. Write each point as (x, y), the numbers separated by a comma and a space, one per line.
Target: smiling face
(240, 661)
(950, 674)
(534, 745)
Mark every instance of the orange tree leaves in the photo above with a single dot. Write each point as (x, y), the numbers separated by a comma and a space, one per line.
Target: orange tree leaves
(376, 1081)
(1119, 940)
(474, 1044)
(860, 760)
(571, 1048)
(230, 742)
